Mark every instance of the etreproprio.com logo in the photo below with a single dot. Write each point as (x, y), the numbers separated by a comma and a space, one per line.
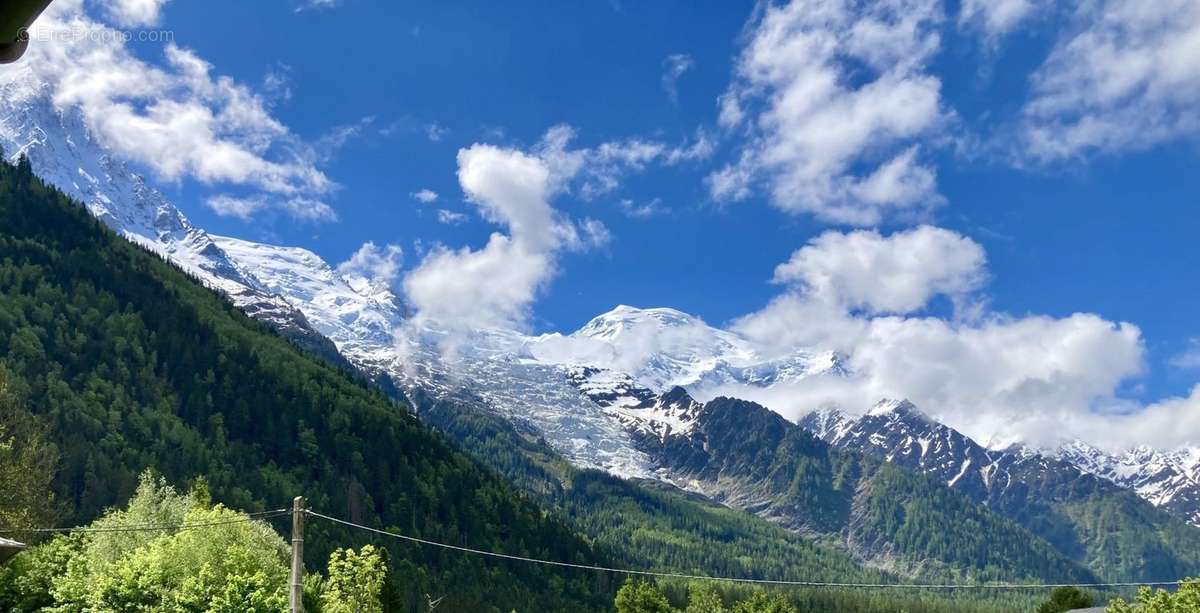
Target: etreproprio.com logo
(80, 34)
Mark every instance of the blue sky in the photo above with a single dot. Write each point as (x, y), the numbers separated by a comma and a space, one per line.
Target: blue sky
(1103, 226)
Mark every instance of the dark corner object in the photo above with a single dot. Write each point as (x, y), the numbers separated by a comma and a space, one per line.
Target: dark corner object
(9, 549)
(15, 18)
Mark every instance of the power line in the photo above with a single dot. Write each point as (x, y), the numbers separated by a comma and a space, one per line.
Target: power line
(260, 515)
(668, 575)
(246, 517)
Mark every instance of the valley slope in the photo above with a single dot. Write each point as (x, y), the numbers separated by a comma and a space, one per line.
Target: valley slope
(135, 366)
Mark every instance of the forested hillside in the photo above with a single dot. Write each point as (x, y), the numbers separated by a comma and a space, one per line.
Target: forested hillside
(133, 365)
(654, 526)
(1110, 529)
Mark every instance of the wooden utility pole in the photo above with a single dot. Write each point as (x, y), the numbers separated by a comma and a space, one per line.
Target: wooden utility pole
(296, 587)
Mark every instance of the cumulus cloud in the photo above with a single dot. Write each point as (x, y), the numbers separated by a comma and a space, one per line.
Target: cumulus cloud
(376, 264)
(900, 273)
(176, 118)
(134, 13)
(673, 68)
(1125, 77)
(1173, 422)
(494, 286)
(491, 287)
(835, 102)
(996, 377)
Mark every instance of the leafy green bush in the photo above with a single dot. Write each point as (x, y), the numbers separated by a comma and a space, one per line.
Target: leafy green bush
(355, 582)
(1066, 599)
(221, 562)
(641, 597)
(1184, 600)
(230, 565)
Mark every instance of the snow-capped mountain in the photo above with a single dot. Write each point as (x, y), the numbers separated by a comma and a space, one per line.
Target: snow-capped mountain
(63, 152)
(1170, 480)
(663, 348)
(900, 433)
(530, 380)
(637, 408)
(357, 315)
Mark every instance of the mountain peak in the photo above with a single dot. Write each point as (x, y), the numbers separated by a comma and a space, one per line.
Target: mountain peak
(829, 423)
(624, 314)
(891, 407)
(677, 395)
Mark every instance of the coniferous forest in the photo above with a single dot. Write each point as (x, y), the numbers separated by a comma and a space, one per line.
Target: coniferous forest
(129, 365)
(132, 365)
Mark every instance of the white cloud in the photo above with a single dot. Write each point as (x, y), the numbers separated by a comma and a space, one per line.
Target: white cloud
(134, 13)
(491, 287)
(376, 264)
(307, 5)
(996, 377)
(1188, 359)
(643, 210)
(673, 68)
(177, 118)
(592, 234)
(308, 209)
(900, 273)
(424, 196)
(835, 100)
(599, 169)
(247, 208)
(1170, 423)
(995, 18)
(1126, 77)
(494, 286)
(233, 206)
(511, 188)
(326, 147)
(277, 84)
(449, 217)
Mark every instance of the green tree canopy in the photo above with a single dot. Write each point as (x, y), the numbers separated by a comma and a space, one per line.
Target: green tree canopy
(1066, 599)
(1185, 600)
(759, 602)
(355, 581)
(27, 463)
(220, 562)
(229, 565)
(638, 596)
(705, 599)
